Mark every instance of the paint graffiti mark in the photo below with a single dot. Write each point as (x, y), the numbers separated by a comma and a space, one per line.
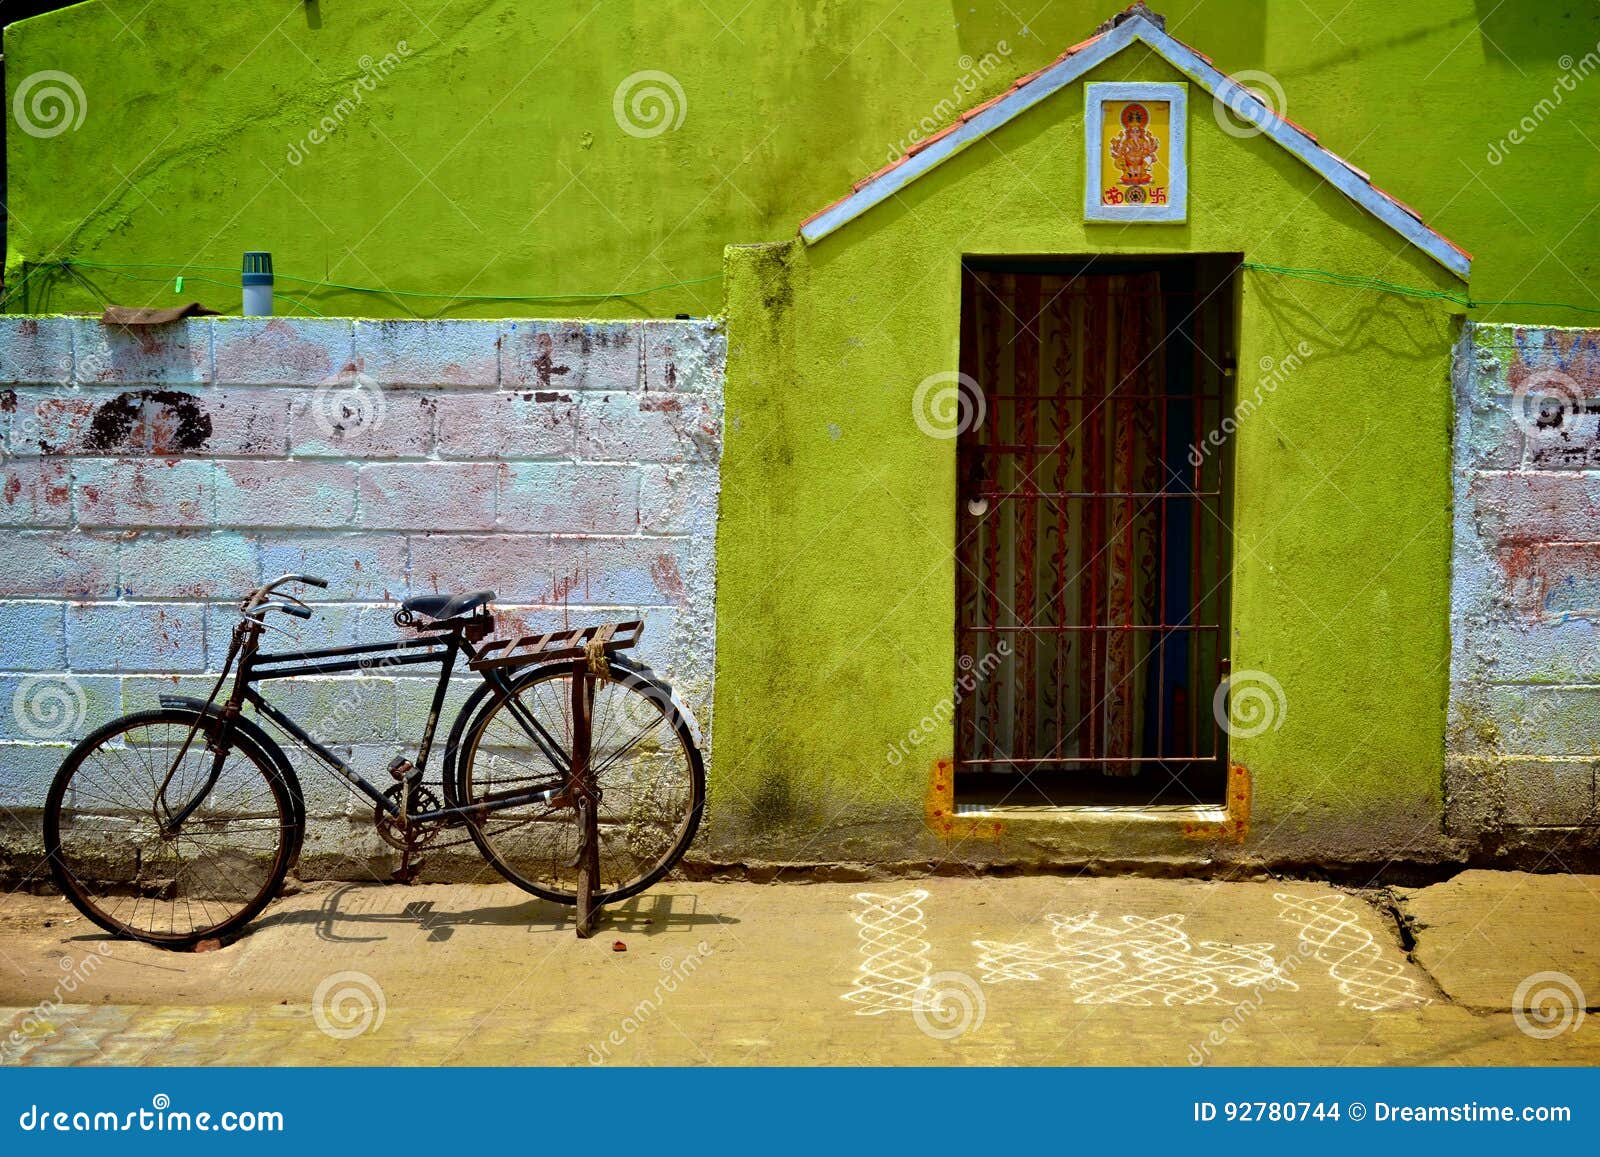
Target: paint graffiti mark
(150, 422)
(1136, 960)
(1366, 979)
(893, 973)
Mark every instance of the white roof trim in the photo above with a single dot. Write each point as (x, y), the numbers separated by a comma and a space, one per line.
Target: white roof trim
(1240, 99)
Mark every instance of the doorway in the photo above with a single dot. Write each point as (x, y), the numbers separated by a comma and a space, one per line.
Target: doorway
(1092, 526)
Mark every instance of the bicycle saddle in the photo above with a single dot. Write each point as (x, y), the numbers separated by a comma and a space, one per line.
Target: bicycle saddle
(446, 606)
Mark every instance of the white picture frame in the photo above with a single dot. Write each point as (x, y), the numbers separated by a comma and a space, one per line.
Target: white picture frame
(1175, 206)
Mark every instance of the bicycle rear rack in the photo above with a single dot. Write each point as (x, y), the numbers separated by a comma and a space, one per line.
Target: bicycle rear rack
(553, 646)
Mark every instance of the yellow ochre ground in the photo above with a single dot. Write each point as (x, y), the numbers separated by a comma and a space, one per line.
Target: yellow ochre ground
(1035, 970)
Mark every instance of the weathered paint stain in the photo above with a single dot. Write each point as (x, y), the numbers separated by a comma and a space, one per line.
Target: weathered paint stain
(939, 808)
(668, 578)
(148, 422)
(1235, 828)
(544, 363)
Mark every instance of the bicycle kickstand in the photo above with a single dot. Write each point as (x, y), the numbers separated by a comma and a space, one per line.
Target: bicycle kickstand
(587, 793)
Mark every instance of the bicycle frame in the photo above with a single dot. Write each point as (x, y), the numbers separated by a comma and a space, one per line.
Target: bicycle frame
(442, 647)
(442, 643)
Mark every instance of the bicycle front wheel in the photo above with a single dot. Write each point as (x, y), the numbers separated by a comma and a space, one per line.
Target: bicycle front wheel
(646, 765)
(116, 854)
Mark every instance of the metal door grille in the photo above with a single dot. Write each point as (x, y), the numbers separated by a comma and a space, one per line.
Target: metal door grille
(1092, 552)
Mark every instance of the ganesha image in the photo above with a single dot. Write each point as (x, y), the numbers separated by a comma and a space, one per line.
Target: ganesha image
(1134, 148)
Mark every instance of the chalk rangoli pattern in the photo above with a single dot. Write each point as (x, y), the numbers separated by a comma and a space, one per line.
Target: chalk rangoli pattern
(1367, 979)
(1134, 960)
(893, 973)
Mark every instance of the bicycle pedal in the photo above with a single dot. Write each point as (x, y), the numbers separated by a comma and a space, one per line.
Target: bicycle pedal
(400, 767)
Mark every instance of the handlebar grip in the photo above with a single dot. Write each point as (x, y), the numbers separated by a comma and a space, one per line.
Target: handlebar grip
(297, 612)
(313, 581)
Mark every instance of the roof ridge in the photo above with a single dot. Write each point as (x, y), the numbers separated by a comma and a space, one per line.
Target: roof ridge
(1136, 22)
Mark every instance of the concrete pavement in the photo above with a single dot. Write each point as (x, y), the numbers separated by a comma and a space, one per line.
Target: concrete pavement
(1033, 970)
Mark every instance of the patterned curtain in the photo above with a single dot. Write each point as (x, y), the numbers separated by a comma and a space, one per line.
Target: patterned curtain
(1072, 369)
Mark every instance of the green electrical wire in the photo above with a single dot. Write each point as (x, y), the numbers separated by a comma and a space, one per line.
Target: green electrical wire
(315, 284)
(1356, 281)
(185, 272)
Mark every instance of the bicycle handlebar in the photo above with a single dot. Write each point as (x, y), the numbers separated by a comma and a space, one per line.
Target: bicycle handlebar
(300, 612)
(258, 598)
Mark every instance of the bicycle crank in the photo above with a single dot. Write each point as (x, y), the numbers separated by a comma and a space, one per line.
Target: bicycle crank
(399, 831)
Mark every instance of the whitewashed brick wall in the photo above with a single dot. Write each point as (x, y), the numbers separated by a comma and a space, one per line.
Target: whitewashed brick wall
(1524, 739)
(151, 477)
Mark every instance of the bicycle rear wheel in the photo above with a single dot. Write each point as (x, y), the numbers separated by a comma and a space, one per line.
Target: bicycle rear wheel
(205, 879)
(646, 765)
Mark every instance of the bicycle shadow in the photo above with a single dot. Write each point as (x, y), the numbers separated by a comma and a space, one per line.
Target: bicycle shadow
(649, 915)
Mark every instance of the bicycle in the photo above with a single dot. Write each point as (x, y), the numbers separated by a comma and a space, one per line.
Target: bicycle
(575, 771)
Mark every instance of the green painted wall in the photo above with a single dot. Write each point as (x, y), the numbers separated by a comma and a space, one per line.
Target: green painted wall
(836, 578)
(489, 160)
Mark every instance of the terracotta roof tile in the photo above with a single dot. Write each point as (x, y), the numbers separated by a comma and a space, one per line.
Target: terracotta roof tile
(978, 108)
(1301, 129)
(1388, 196)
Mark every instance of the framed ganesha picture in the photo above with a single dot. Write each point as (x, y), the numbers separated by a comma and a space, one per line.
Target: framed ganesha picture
(1136, 155)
